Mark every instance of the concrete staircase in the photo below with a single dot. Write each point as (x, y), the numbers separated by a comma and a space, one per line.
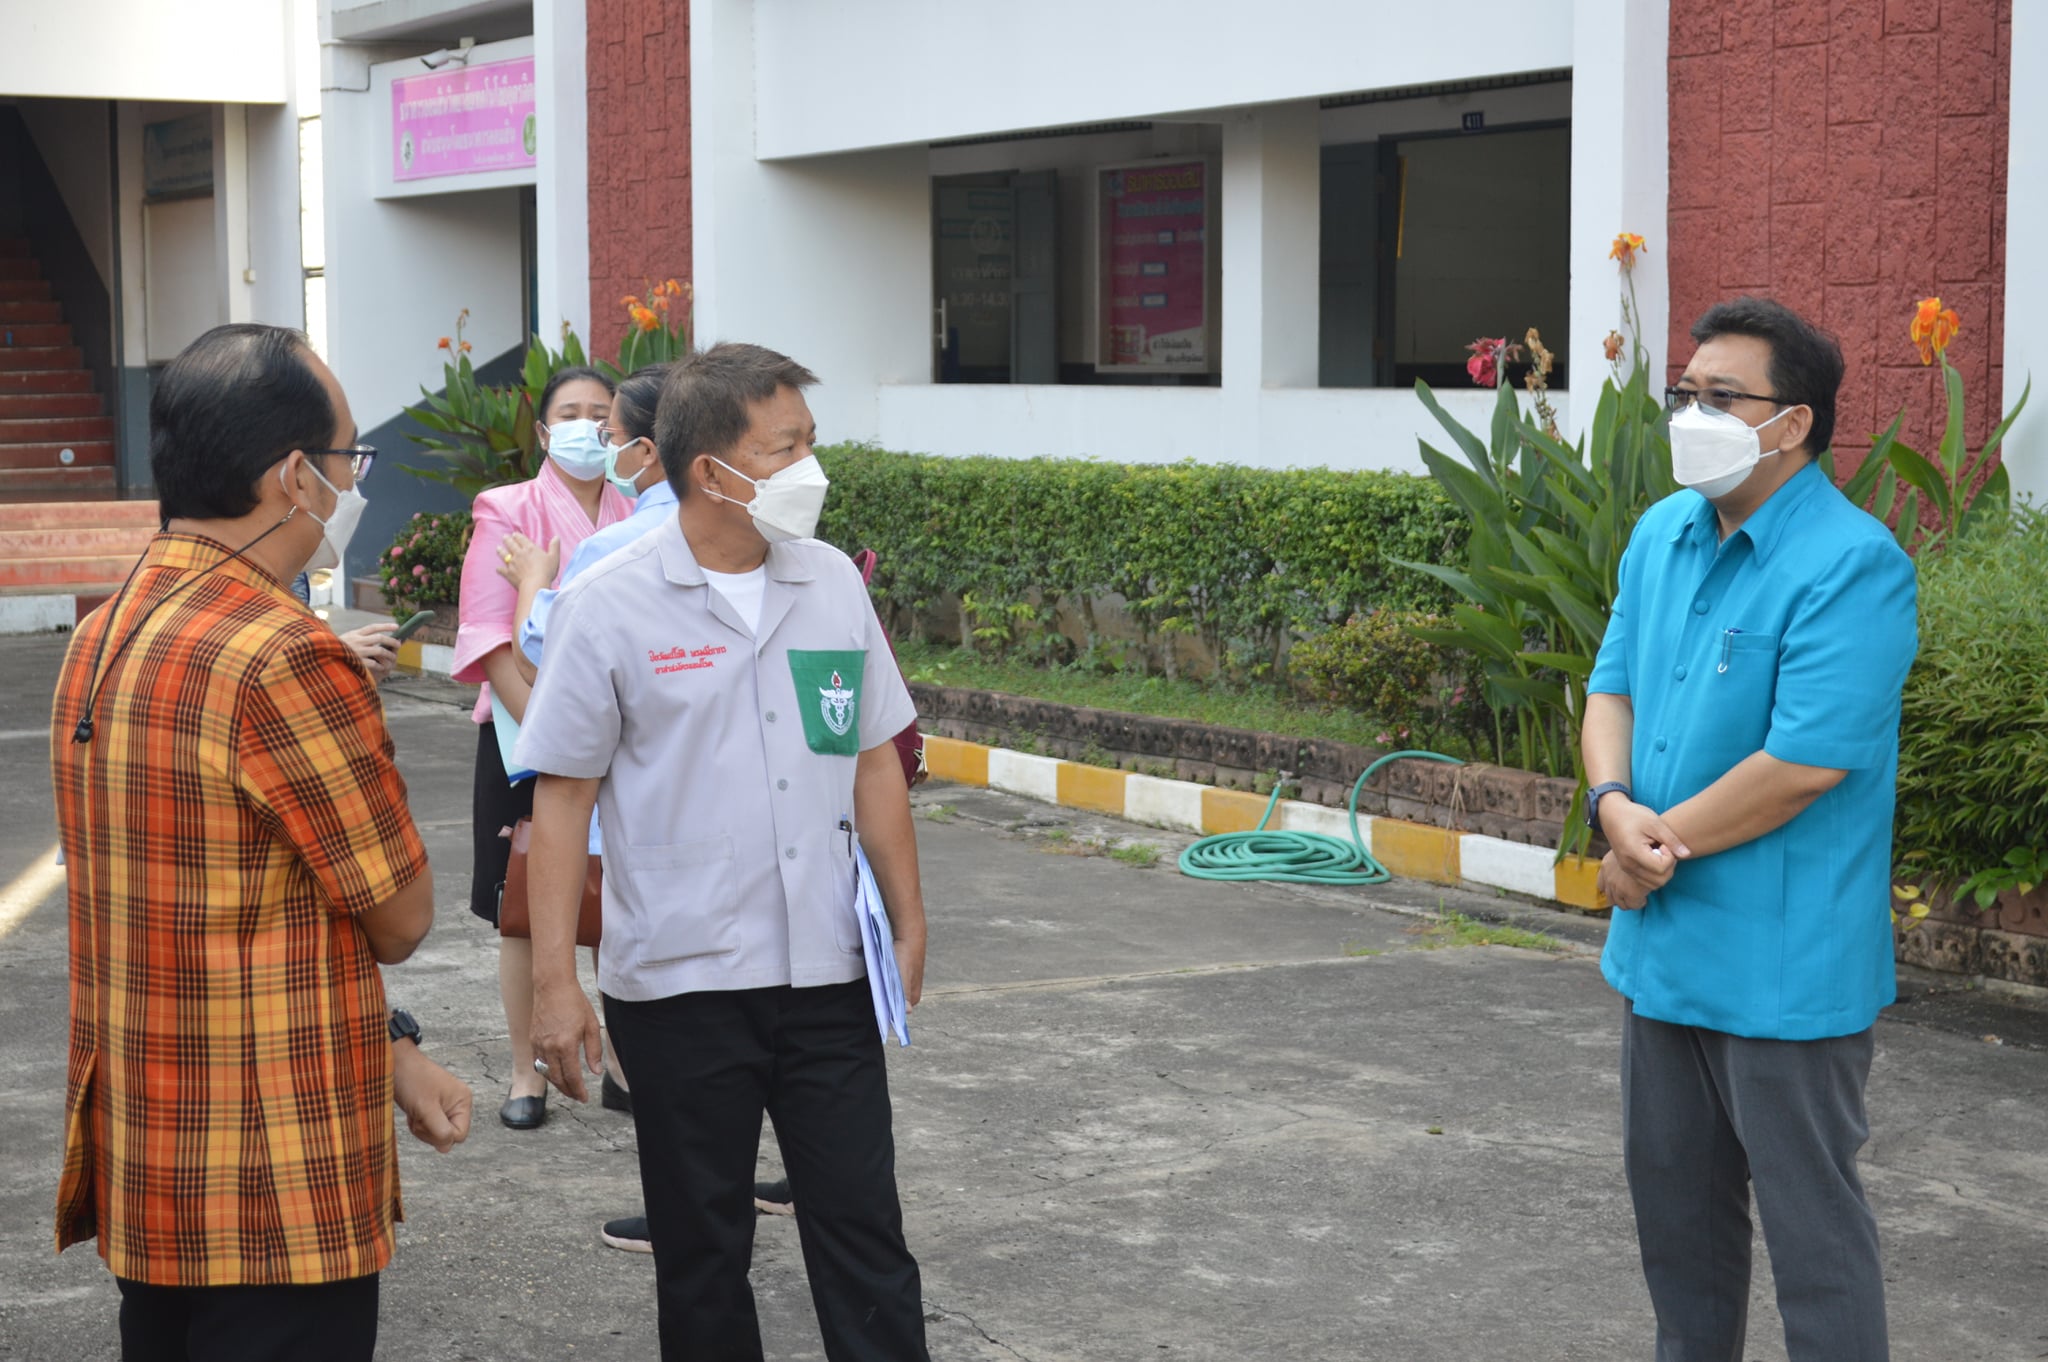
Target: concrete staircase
(56, 439)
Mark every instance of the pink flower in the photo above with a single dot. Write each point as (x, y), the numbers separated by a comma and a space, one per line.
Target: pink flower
(1484, 366)
(396, 550)
(419, 569)
(413, 543)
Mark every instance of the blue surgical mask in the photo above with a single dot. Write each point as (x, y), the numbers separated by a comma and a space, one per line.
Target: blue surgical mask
(629, 486)
(576, 449)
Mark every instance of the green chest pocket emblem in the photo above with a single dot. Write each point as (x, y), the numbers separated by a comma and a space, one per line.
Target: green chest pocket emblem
(828, 696)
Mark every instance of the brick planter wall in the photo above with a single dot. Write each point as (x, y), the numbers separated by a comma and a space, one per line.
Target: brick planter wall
(2007, 941)
(1515, 806)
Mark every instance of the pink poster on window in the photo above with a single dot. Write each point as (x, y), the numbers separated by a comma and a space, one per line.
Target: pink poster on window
(1155, 266)
(463, 120)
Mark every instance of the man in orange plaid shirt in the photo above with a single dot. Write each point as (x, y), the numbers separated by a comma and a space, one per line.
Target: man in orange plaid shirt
(241, 860)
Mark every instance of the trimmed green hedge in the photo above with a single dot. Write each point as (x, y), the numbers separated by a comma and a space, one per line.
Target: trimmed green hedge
(1240, 558)
(1973, 741)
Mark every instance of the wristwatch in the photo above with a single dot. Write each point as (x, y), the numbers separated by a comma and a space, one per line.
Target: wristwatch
(403, 1027)
(1596, 794)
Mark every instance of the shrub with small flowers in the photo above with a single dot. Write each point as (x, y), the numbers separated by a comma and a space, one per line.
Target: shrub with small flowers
(423, 567)
(1374, 663)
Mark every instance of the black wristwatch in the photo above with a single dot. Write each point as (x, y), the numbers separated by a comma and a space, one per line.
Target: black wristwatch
(403, 1027)
(1599, 792)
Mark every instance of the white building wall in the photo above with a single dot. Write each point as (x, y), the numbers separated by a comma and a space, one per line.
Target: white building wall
(2026, 269)
(1621, 176)
(810, 236)
(562, 197)
(200, 51)
(826, 260)
(952, 70)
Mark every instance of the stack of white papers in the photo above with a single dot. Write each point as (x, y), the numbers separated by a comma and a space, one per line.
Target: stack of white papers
(878, 942)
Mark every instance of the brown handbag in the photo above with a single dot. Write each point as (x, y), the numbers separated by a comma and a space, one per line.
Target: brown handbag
(512, 917)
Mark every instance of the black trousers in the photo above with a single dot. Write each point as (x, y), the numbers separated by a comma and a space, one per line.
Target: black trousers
(705, 1067)
(331, 1322)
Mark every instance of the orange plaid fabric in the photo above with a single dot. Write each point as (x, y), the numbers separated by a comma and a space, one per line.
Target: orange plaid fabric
(228, 1110)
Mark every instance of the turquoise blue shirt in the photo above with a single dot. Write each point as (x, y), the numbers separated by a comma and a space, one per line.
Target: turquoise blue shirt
(1793, 636)
(650, 509)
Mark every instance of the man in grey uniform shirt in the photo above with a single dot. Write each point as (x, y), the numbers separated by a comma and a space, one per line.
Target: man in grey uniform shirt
(722, 692)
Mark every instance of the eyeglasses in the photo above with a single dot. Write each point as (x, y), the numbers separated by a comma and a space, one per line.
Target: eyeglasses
(360, 459)
(1720, 399)
(612, 437)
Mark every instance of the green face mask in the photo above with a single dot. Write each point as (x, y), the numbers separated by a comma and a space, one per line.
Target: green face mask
(611, 468)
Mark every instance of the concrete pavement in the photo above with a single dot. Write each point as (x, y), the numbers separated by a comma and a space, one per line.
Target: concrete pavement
(1144, 1117)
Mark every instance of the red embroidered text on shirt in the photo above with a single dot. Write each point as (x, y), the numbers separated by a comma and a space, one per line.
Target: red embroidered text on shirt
(681, 659)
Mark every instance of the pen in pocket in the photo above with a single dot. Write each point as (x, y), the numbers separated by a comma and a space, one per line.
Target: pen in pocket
(1727, 645)
(846, 826)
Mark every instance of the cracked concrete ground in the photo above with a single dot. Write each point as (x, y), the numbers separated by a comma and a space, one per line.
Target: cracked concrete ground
(1144, 1117)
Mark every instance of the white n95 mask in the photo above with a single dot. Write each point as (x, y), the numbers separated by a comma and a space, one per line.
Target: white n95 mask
(1713, 451)
(785, 505)
(340, 524)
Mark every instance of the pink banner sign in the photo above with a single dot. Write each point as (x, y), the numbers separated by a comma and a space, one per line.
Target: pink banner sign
(463, 121)
(1155, 266)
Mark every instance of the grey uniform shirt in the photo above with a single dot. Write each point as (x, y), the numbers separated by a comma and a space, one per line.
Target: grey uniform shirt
(726, 758)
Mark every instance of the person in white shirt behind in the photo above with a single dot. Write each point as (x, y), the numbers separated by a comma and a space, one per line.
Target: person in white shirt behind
(722, 692)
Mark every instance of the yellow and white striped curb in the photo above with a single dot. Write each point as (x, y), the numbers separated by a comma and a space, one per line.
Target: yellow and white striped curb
(1412, 850)
(435, 659)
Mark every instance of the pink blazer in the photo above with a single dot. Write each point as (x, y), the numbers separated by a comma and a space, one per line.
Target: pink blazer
(541, 508)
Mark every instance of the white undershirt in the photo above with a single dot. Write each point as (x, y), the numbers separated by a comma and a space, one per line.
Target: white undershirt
(742, 591)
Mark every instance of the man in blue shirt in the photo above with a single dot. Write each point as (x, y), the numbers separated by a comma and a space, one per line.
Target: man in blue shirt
(1741, 741)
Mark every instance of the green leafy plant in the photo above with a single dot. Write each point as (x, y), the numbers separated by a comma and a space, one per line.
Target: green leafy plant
(1241, 560)
(1547, 525)
(423, 565)
(1376, 663)
(483, 434)
(1973, 740)
(1930, 501)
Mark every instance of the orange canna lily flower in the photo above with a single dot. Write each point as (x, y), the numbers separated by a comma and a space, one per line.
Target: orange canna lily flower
(661, 302)
(671, 288)
(1625, 248)
(442, 344)
(628, 300)
(644, 318)
(465, 347)
(1613, 345)
(1934, 326)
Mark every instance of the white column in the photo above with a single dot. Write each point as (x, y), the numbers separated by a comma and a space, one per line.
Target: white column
(232, 269)
(1621, 179)
(1271, 240)
(562, 190)
(2026, 271)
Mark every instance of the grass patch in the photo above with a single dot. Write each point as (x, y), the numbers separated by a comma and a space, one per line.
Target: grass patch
(1264, 709)
(1059, 837)
(1143, 855)
(1452, 928)
(1358, 952)
(939, 813)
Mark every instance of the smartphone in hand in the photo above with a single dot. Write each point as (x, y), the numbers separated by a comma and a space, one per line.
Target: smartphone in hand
(412, 626)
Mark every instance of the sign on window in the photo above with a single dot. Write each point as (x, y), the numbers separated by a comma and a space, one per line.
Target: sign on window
(1152, 281)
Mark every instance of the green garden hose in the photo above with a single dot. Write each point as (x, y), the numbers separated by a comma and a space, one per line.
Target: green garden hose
(1294, 857)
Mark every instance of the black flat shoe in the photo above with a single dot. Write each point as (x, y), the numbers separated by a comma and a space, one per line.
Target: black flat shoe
(524, 1113)
(614, 1097)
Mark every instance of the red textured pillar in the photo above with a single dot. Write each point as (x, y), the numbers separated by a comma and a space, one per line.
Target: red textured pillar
(1847, 157)
(639, 77)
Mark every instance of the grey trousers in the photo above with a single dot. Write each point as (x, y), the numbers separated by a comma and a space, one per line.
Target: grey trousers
(1705, 1116)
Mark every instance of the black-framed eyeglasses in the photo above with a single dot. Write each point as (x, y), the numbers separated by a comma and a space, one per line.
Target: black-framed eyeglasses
(361, 458)
(1720, 399)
